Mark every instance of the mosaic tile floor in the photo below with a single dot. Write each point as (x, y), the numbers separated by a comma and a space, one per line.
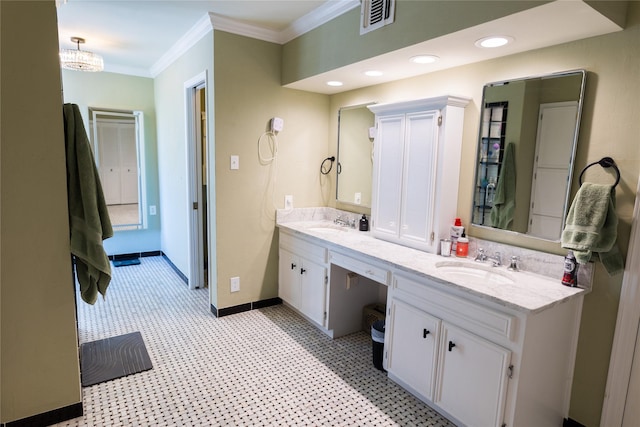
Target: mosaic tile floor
(266, 367)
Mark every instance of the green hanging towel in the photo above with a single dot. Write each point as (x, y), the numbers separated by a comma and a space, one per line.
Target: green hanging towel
(504, 201)
(89, 221)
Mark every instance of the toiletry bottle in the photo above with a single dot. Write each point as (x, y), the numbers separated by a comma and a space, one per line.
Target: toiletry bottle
(462, 248)
(364, 223)
(570, 275)
(456, 231)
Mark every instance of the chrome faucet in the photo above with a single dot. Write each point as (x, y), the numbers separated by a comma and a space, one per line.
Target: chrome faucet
(496, 260)
(344, 222)
(513, 266)
(480, 255)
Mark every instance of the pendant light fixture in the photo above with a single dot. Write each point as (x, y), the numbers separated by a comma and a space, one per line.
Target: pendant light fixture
(80, 60)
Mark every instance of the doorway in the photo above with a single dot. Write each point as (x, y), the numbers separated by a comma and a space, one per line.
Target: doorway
(198, 167)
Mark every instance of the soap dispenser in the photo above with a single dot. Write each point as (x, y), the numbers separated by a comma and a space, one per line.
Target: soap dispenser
(364, 223)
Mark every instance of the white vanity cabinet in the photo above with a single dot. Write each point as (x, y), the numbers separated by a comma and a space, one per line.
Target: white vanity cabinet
(480, 364)
(416, 168)
(302, 274)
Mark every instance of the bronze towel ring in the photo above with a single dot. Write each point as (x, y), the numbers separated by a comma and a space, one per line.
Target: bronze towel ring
(605, 162)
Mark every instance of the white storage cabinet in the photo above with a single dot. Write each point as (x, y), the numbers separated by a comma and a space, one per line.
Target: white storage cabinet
(302, 271)
(416, 168)
(480, 364)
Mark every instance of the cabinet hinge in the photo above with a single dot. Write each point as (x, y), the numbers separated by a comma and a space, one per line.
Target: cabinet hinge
(510, 373)
(326, 280)
(432, 236)
(440, 120)
(195, 206)
(325, 315)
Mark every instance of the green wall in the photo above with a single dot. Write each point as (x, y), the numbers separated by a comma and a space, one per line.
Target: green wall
(39, 369)
(248, 94)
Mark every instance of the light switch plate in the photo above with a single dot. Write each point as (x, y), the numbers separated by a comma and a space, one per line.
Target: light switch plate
(235, 284)
(288, 201)
(235, 162)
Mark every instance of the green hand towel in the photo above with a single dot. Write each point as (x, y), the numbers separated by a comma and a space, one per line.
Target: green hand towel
(592, 227)
(88, 216)
(504, 201)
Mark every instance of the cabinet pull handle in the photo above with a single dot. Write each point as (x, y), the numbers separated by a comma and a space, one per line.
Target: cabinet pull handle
(302, 271)
(451, 345)
(293, 266)
(425, 332)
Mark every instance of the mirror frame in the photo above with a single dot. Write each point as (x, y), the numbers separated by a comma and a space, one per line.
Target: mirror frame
(574, 147)
(138, 118)
(338, 160)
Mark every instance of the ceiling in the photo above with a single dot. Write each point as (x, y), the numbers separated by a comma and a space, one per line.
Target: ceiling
(137, 36)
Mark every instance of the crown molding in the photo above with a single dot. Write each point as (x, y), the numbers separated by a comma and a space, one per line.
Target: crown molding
(323, 14)
(203, 27)
(234, 26)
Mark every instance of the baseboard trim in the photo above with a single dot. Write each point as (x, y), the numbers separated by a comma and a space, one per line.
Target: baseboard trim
(227, 311)
(50, 417)
(176, 269)
(568, 422)
(135, 255)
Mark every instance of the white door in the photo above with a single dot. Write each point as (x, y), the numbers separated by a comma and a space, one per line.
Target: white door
(632, 407)
(472, 377)
(420, 152)
(312, 290)
(413, 336)
(289, 278)
(389, 147)
(554, 145)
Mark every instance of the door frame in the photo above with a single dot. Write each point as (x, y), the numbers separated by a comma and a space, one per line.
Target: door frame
(624, 348)
(194, 181)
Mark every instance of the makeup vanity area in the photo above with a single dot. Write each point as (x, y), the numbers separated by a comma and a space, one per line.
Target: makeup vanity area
(484, 345)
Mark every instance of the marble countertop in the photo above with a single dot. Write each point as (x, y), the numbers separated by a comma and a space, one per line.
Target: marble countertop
(522, 291)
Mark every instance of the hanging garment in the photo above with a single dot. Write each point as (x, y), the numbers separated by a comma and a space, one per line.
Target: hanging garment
(89, 221)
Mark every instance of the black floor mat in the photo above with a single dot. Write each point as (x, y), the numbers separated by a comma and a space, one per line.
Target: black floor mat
(126, 261)
(112, 358)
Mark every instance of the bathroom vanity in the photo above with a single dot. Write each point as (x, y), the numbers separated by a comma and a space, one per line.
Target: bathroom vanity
(483, 345)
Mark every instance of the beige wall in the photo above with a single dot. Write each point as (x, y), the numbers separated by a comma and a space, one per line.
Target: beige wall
(247, 95)
(38, 343)
(610, 127)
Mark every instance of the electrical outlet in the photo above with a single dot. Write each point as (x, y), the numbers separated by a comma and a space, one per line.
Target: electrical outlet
(288, 201)
(152, 210)
(235, 162)
(357, 199)
(235, 284)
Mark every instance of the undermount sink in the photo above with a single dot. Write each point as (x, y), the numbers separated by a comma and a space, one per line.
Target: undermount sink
(327, 228)
(467, 272)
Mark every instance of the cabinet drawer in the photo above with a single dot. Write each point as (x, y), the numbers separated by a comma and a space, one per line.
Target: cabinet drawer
(303, 248)
(472, 315)
(363, 268)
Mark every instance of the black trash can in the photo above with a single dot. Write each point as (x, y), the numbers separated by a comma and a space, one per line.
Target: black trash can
(377, 337)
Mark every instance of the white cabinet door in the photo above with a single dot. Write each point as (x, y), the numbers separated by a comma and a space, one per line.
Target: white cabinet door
(389, 147)
(414, 338)
(289, 278)
(313, 290)
(418, 189)
(472, 377)
(302, 282)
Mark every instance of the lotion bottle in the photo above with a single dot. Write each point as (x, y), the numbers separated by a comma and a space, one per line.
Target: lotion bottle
(456, 231)
(462, 248)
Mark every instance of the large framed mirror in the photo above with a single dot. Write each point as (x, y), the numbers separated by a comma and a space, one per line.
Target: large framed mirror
(118, 143)
(526, 151)
(355, 155)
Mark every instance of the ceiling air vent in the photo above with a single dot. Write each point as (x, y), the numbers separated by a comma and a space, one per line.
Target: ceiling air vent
(375, 14)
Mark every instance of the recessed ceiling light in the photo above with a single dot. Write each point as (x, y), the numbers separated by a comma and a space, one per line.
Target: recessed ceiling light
(334, 83)
(424, 59)
(373, 73)
(494, 41)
